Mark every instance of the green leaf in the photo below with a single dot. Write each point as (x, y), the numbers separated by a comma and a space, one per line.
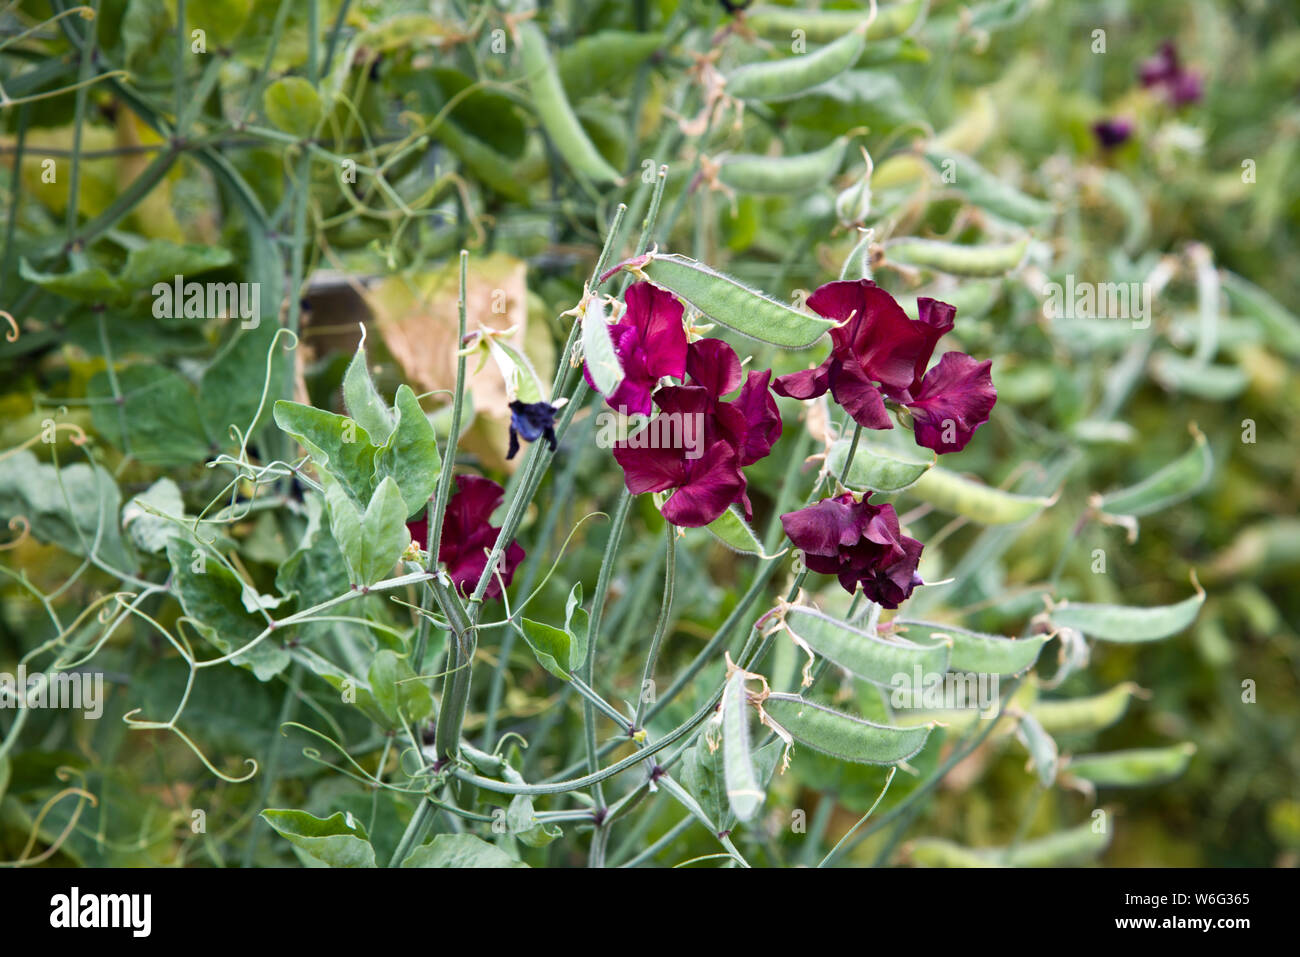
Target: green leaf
(862, 653)
(878, 466)
(143, 517)
(160, 260)
(75, 507)
(844, 736)
(159, 412)
(90, 284)
(553, 647)
(293, 105)
(598, 349)
(371, 542)
(459, 850)
(576, 621)
(213, 597)
(410, 455)
(339, 840)
(1179, 480)
(1137, 767)
(1125, 623)
(522, 822)
(363, 401)
(336, 444)
(402, 701)
(223, 20)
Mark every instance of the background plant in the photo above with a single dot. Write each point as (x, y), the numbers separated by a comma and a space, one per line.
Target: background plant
(340, 155)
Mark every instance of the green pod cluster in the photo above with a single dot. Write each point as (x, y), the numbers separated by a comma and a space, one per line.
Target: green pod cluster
(734, 304)
(785, 79)
(864, 654)
(982, 503)
(844, 736)
(555, 112)
(1134, 768)
(958, 260)
(1179, 480)
(771, 175)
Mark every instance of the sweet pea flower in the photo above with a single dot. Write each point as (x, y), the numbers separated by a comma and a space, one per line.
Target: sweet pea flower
(650, 341)
(878, 353)
(858, 542)
(705, 476)
(1181, 85)
(531, 421)
(1111, 133)
(468, 536)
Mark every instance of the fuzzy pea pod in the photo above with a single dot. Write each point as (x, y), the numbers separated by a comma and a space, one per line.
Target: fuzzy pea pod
(1178, 373)
(1280, 327)
(1180, 479)
(733, 304)
(1086, 714)
(785, 79)
(1125, 623)
(844, 736)
(743, 790)
(864, 654)
(986, 191)
(773, 175)
(992, 506)
(1073, 846)
(1137, 767)
(958, 260)
(982, 653)
(824, 26)
(554, 110)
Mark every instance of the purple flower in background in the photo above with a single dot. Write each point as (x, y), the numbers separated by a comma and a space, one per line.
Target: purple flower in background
(878, 352)
(468, 536)
(1181, 85)
(651, 343)
(858, 542)
(1111, 133)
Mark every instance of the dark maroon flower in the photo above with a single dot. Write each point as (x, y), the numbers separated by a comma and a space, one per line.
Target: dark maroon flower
(531, 421)
(468, 536)
(1181, 85)
(878, 353)
(1111, 133)
(651, 343)
(953, 400)
(699, 442)
(858, 542)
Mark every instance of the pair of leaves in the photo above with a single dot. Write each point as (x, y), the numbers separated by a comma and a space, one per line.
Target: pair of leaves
(340, 840)
(561, 651)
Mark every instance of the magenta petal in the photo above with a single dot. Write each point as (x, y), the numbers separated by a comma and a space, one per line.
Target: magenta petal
(885, 343)
(807, 384)
(657, 316)
(859, 396)
(713, 364)
(475, 500)
(650, 470)
(762, 418)
(824, 528)
(954, 400)
(715, 482)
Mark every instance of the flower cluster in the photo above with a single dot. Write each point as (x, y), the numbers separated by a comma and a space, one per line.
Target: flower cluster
(650, 341)
(878, 353)
(735, 433)
(860, 543)
(468, 536)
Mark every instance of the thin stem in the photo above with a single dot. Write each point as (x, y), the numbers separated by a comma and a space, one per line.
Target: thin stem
(661, 627)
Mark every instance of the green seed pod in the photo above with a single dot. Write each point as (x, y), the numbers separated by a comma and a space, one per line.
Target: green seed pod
(824, 26)
(736, 306)
(1043, 754)
(555, 112)
(958, 260)
(991, 506)
(743, 789)
(876, 466)
(1180, 479)
(782, 174)
(488, 166)
(1125, 623)
(863, 653)
(981, 653)
(1135, 768)
(788, 78)
(1217, 383)
(986, 191)
(1070, 847)
(844, 736)
(1091, 713)
(1280, 326)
